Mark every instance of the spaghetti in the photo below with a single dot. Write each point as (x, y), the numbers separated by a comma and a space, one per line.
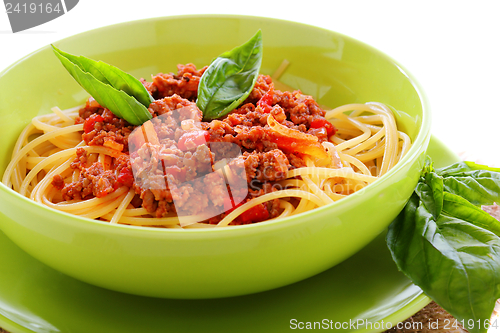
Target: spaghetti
(309, 164)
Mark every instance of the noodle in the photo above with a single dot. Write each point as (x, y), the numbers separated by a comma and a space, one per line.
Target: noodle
(365, 146)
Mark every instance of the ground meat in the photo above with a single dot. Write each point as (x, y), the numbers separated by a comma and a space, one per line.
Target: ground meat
(262, 85)
(184, 83)
(273, 165)
(94, 180)
(103, 181)
(296, 161)
(111, 132)
(241, 136)
(81, 158)
(249, 138)
(255, 138)
(173, 160)
(197, 163)
(150, 87)
(178, 164)
(91, 107)
(58, 182)
(215, 188)
(265, 167)
(148, 201)
(252, 162)
(176, 109)
(298, 108)
(261, 212)
(81, 188)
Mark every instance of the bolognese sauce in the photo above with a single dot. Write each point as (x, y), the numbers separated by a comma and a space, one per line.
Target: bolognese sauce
(186, 154)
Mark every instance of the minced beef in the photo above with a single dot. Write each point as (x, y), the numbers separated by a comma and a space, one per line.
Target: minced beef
(178, 164)
(184, 83)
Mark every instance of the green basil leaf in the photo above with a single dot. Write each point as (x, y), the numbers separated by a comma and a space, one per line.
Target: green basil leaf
(118, 91)
(230, 78)
(480, 187)
(428, 166)
(455, 262)
(400, 235)
(460, 208)
(461, 167)
(430, 191)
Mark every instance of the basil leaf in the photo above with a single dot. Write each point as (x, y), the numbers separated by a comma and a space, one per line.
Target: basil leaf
(430, 191)
(455, 262)
(459, 207)
(447, 245)
(230, 78)
(480, 187)
(461, 167)
(428, 166)
(400, 236)
(118, 91)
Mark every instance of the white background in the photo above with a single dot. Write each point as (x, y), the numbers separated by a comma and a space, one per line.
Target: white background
(451, 47)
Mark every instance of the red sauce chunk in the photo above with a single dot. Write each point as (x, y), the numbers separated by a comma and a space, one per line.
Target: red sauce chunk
(191, 140)
(88, 125)
(322, 122)
(257, 213)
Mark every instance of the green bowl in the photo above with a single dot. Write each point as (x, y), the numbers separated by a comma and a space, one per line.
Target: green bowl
(333, 68)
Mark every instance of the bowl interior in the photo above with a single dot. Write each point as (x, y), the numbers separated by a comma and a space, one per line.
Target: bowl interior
(331, 67)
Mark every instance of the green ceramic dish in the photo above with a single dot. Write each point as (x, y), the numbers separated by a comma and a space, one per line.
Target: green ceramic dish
(367, 286)
(335, 69)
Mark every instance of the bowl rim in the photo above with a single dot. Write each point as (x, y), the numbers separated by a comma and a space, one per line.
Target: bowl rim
(422, 137)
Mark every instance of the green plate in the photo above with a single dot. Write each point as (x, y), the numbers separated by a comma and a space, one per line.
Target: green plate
(215, 262)
(365, 289)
